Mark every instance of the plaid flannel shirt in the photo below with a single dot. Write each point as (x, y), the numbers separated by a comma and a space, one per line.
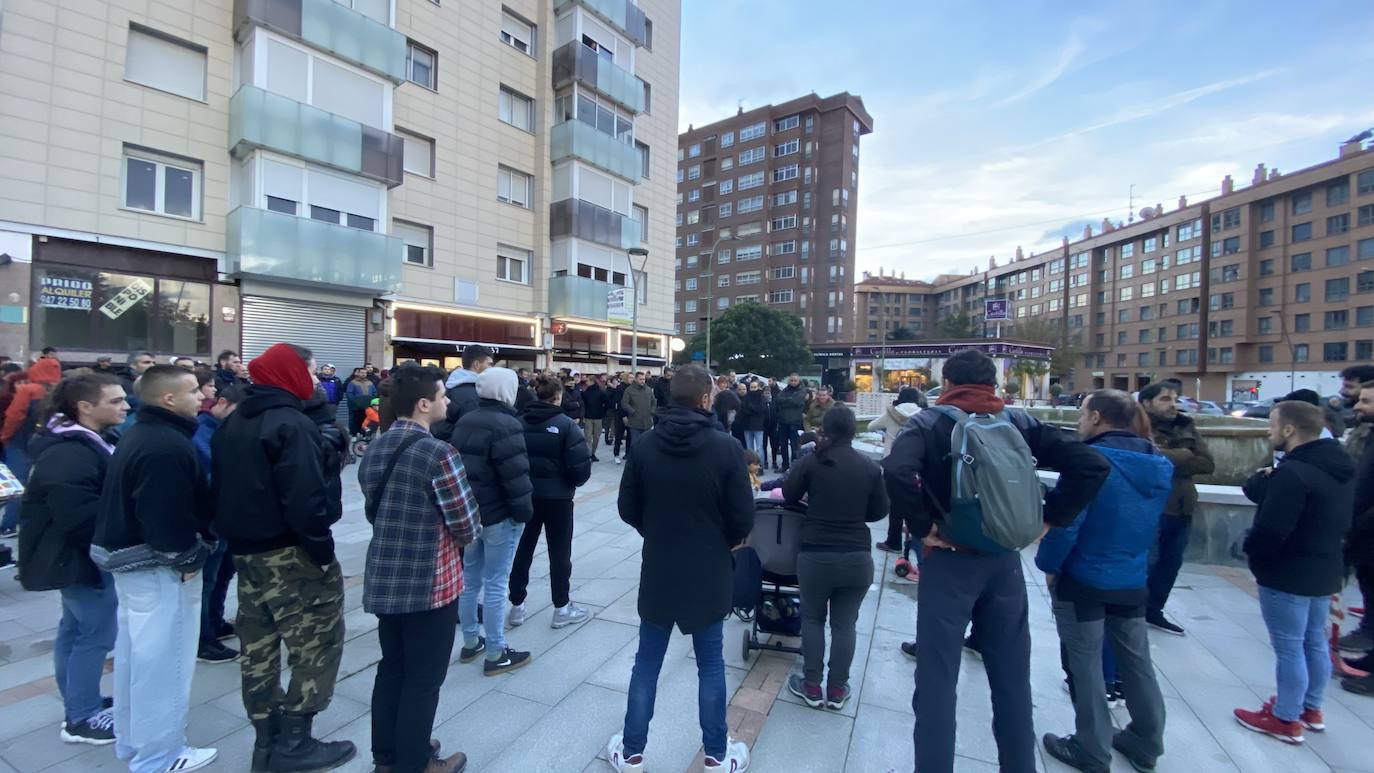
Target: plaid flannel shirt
(426, 513)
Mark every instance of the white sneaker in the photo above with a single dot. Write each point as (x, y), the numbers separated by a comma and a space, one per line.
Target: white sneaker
(571, 614)
(192, 758)
(516, 615)
(615, 754)
(620, 460)
(736, 758)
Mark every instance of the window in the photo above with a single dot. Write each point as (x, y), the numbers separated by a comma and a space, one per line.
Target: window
(783, 199)
(1364, 249)
(1147, 266)
(1364, 183)
(1228, 246)
(1302, 261)
(1188, 255)
(1364, 350)
(782, 223)
(1366, 215)
(748, 277)
(1266, 238)
(783, 248)
(1364, 282)
(1301, 202)
(723, 280)
(725, 187)
(1266, 212)
(517, 33)
(785, 173)
(1338, 193)
(1302, 293)
(750, 181)
(786, 148)
(1302, 323)
(641, 215)
(1223, 301)
(1336, 320)
(1338, 289)
(694, 150)
(1266, 296)
(88, 308)
(1364, 316)
(691, 327)
(692, 304)
(693, 240)
(694, 194)
(1185, 357)
(780, 296)
(727, 139)
(751, 156)
(518, 110)
(1335, 352)
(1266, 353)
(752, 252)
(1266, 267)
(1127, 271)
(1151, 244)
(725, 210)
(751, 204)
(1338, 224)
(1337, 256)
(722, 302)
(163, 185)
(784, 124)
(694, 172)
(513, 187)
(693, 217)
(1190, 230)
(419, 241)
(417, 153)
(1265, 325)
(1301, 232)
(165, 63)
(752, 132)
(1299, 352)
(422, 65)
(1128, 250)
(1125, 294)
(511, 264)
(691, 285)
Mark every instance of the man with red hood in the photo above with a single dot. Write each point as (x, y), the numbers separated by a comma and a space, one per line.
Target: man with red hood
(22, 420)
(272, 507)
(960, 585)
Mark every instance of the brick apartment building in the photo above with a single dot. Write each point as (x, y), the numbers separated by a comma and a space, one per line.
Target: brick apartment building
(1269, 286)
(776, 188)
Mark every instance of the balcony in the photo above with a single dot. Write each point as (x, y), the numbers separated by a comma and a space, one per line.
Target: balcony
(583, 220)
(577, 296)
(332, 27)
(624, 15)
(575, 139)
(261, 119)
(299, 250)
(576, 62)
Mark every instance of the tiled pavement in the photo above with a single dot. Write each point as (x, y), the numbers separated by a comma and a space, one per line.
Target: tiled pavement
(556, 714)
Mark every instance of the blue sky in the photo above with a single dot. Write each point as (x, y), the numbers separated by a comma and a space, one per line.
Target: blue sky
(1000, 124)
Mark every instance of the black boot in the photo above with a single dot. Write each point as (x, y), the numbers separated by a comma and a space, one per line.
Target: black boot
(297, 750)
(267, 730)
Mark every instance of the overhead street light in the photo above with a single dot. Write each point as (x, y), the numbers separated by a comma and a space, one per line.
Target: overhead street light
(632, 253)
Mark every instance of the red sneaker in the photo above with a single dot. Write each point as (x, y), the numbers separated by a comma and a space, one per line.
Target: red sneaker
(1264, 721)
(1310, 718)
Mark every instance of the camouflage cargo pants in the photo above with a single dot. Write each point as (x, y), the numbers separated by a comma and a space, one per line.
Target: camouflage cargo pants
(284, 598)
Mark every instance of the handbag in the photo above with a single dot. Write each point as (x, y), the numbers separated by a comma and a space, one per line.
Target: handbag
(10, 485)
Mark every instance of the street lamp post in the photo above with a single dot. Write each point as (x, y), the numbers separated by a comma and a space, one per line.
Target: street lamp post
(711, 293)
(632, 253)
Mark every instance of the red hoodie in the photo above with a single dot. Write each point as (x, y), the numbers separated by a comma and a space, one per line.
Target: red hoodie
(281, 367)
(41, 377)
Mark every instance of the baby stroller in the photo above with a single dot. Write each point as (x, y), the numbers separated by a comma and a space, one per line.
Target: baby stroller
(776, 607)
(371, 422)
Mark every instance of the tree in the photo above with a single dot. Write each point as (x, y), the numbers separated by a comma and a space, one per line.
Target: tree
(752, 338)
(1030, 370)
(1012, 387)
(1050, 332)
(958, 325)
(900, 334)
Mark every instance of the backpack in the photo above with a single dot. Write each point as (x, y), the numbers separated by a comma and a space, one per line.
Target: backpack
(996, 501)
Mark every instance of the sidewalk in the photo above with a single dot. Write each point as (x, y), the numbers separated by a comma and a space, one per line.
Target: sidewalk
(557, 713)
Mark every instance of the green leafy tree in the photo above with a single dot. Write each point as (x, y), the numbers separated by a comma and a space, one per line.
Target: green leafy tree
(900, 334)
(753, 338)
(1031, 370)
(958, 325)
(1067, 346)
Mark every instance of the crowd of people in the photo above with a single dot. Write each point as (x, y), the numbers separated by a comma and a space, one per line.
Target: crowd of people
(151, 486)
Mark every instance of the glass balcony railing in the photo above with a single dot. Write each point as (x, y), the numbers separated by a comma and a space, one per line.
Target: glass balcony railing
(576, 296)
(575, 139)
(623, 14)
(333, 27)
(583, 220)
(297, 249)
(260, 119)
(576, 62)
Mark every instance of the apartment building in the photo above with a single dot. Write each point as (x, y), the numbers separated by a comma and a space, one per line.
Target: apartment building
(1258, 290)
(374, 179)
(767, 204)
(887, 306)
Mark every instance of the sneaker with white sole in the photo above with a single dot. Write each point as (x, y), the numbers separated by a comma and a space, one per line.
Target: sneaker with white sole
(98, 730)
(192, 758)
(568, 615)
(736, 758)
(615, 754)
(515, 617)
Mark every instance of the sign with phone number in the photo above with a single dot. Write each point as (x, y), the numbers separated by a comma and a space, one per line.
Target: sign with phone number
(58, 292)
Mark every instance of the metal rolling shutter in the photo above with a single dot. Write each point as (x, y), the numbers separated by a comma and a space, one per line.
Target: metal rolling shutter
(336, 334)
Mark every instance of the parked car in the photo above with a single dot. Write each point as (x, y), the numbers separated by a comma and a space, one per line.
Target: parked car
(1237, 408)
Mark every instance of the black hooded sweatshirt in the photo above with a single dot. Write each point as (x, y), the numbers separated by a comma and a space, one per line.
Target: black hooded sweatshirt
(559, 458)
(686, 491)
(1304, 512)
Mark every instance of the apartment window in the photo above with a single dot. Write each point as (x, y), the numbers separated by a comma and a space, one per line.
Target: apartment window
(782, 223)
(694, 172)
(1301, 232)
(1300, 262)
(784, 124)
(753, 132)
(786, 148)
(512, 264)
(785, 173)
(1128, 250)
(1338, 289)
(417, 152)
(1266, 353)
(1364, 249)
(1266, 212)
(1127, 271)
(725, 210)
(641, 216)
(517, 33)
(1301, 202)
(750, 204)
(752, 252)
(727, 139)
(1338, 193)
(517, 110)
(691, 327)
(692, 304)
(783, 199)
(724, 187)
(1338, 224)
(1185, 357)
(680, 174)
(1364, 317)
(694, 195)
(1190, 230)
(783, 248)
(748, 277)
(1223, 301)
(419, 241)
(1266, 238)
(1302, 323)
(780, 296)
(1365, 215)
(163, 185)
(694, 150)
(1336, 320)
(1265, 325)
(1364, 282)
(722, 303)
(1299, 352)
(723, 280)
(691, 261)
(1337, 256)
(1125, 294)
(1147, 266)
(1335, 351)
(643, 159)
(422, 65)
(1151, 244)
(723, 257)
(1223, 221)
(691, 285)
(693, 240)
(1364, 350)
(1364, 182)
(513, 187)
(165, 63)
(1302, 292)
(750, 181)
(1266, 267)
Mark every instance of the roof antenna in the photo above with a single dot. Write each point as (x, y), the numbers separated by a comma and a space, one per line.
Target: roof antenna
(1130, 207)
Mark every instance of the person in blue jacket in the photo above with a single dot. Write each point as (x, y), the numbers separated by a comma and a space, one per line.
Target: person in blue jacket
(219, 569)
(1096, 568)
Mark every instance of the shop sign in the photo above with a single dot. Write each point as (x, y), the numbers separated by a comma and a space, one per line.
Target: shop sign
(126, 299)
(618, 309)
(60, 292)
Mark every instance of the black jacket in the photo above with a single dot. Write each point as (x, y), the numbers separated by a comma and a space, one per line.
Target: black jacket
(753, 412)
(268, 478)
(686, 491)
(559, 458)
(572, 404)
(333, 448)
(726, 403)
(790, 405)
(920, 458)
(225, 378)
(1359, 548)
(492, 442)
(58, 514)
(663, 390)
(596, 402)
(155, 505)
(1303, 515)
(844, 492)
(462, 400)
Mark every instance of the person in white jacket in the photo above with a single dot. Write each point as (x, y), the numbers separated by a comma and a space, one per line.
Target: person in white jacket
(909, 402)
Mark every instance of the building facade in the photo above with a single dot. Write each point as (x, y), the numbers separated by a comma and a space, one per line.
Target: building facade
(373, 179)
(775, 191)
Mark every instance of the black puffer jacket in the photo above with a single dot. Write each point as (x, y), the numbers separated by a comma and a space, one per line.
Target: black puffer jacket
(790, 405)
(333, 447)
(268, 478)
(595, 402)
(559, 458)
(492, 442)
(59, 511)
(572, 404)
(461, 389)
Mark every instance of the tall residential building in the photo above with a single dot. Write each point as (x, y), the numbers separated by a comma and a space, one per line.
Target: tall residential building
(775, 191)
(373, 179)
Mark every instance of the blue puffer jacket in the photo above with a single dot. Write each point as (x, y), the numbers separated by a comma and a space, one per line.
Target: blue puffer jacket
(1108, 544)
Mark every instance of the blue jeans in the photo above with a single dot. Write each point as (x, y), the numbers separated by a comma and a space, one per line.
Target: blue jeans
(653, 642)
(85, 636)
(17, 459)
(1166, 558)
(1297, 631)
(486, 573)
(209, 578)
(753, 440)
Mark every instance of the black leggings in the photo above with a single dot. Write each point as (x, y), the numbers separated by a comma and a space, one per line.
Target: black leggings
(555, 517)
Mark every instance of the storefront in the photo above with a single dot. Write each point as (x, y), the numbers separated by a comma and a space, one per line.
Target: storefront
(652, 351)
(919, 364)
(437, 336)
(583, 348)
(332, 325)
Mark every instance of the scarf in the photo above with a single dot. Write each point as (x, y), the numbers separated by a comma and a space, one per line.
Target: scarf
(972, 398)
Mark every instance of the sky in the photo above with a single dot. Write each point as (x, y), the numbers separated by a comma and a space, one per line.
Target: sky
(1009, 123)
